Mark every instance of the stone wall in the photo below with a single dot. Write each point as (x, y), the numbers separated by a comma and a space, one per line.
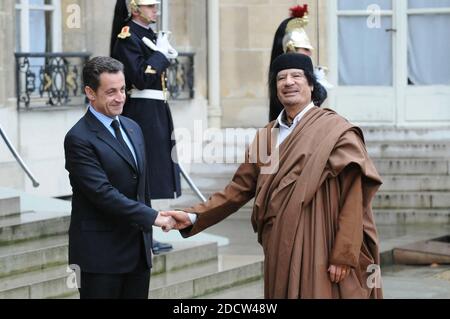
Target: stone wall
(247, 31)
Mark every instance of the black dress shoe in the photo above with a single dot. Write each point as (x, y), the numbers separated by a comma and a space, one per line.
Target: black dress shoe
(159, 247)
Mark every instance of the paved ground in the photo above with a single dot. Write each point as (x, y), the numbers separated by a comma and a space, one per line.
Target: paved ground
(409, 282)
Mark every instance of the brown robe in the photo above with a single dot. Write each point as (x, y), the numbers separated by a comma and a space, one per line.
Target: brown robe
(314, 211)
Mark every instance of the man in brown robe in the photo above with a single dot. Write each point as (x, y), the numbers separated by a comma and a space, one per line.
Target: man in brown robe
(313, 213)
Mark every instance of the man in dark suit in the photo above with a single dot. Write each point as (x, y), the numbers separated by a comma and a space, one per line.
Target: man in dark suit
(110, 235)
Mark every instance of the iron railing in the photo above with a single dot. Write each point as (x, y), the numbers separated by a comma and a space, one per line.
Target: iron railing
(180, 77)
(49, 79)
(55, 79)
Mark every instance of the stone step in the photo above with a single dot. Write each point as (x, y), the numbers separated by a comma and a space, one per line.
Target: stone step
(412, 216)
(382, 200)
(231, 154)
(229, 271)
(40, 217)
(387, 166)
(424, 150)
(415, 183)
(189, 282)
(37, 284)
(388, 133)
(48, 252)
(391, 183)
(253, 290)
(32, 225)
(417, 200)
(9, 203)
(49, 280)
(33, 255)
(406, 134)
(184, 254)
(401, 166)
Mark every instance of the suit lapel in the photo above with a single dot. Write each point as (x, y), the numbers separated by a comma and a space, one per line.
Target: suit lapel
(108, 138)
(136, 141)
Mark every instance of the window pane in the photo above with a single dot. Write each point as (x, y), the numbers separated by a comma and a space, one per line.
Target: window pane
(37, 2)
(365, 54)
(37, 31)
(420, 4)
(364, 4)
(428, 61)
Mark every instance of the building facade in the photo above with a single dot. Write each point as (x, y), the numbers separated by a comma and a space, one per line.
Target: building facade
(387, 60)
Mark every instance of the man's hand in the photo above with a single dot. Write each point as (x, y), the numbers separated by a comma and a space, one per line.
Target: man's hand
(338, 273)
(161, 46)
(181, 218)
(166, 223)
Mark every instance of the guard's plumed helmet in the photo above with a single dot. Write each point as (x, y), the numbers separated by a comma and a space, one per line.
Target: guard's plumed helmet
(133, 4)
(295, 36)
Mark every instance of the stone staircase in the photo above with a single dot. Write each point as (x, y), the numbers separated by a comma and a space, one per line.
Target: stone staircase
(33, 257)
(414, 165)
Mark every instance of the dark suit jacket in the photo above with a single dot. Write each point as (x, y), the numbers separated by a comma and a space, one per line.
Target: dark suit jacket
(111, 221)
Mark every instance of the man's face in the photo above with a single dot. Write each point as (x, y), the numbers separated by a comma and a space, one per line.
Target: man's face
(110, 95)
(293, 88)
(149, 14)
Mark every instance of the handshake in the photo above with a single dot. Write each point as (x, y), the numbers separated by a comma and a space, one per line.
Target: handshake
(169, 220)
(162, 45)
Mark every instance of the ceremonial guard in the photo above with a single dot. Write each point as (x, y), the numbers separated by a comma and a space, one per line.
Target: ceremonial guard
(146, 56)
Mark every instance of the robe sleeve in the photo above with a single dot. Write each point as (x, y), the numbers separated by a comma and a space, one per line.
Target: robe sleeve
(352, 167)
(349, 236)
(236, 194)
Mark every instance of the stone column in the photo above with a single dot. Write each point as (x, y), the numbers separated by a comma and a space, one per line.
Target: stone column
(7, 40)
(214, 110)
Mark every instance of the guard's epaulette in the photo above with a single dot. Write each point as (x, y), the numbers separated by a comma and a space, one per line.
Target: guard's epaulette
(125, 33)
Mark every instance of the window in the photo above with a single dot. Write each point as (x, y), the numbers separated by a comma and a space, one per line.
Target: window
(428, 45)
(38, 26)
(365, 49)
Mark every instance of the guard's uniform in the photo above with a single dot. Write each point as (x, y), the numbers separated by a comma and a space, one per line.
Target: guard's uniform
(145, 74)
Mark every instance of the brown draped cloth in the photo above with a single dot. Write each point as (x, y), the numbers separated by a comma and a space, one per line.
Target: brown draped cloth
(313, 211)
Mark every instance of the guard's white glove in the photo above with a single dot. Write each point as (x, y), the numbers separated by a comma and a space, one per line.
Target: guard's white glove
(162, 45)
(321, 77)
(163, 42)
(150, 44)
(155, 47)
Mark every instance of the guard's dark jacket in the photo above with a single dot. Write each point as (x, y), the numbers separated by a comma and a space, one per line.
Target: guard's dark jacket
(145, 69)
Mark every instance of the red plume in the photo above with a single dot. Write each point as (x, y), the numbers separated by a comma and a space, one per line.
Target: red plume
(299, 11)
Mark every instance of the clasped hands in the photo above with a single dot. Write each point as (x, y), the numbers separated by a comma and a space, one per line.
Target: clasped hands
(170, 220)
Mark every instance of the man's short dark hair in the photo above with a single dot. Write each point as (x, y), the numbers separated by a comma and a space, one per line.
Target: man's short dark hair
(97, 66)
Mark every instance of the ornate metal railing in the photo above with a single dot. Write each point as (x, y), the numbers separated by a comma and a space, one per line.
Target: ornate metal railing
(49, 79)
(55, 79)
(180, 77)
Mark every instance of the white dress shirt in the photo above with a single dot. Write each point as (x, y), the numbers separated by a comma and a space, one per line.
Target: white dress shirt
(285, 130)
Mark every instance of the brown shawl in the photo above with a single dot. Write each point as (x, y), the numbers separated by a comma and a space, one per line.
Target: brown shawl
(315, 210)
